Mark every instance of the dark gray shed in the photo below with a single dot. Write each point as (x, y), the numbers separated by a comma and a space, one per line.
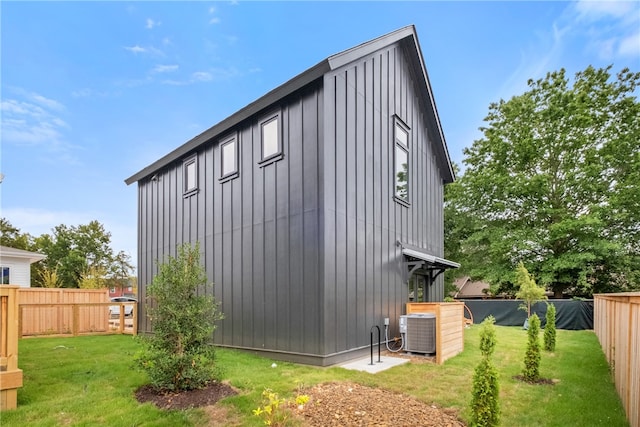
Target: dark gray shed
(313, 205)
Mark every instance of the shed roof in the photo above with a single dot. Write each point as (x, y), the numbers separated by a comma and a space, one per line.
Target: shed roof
(32, 257)
(406, 35)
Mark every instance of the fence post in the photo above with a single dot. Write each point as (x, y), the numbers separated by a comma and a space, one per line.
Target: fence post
(10, 375)
(76, 320)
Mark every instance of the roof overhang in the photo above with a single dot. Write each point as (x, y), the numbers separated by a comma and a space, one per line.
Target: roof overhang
(407, 36)
(7, 252)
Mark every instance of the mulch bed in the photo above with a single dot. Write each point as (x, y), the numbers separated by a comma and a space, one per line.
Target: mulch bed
(540, 381)
(185, 399)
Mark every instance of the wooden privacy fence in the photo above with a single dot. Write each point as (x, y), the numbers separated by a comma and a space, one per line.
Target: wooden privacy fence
(59, 311)
(616, 322)
(10, 375)
(449, 326)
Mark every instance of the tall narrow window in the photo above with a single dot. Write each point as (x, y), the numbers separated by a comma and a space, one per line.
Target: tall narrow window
(401, 154)
(270, 135)
(190, 168)
(228, 159)
(6, 279)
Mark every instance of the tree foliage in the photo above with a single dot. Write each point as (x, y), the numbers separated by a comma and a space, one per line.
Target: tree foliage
(549, 336)
(555, 183)
(485, 404)
(178, 355)
(532, 357)
(77, 253)
(528, 290)
(77, 256)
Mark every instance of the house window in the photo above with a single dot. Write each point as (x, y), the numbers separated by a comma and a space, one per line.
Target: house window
(271, 141)
(228, 159)
(5, 275)
(401, 167)
(190, 168)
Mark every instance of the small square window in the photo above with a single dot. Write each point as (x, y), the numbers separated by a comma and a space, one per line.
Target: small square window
(190, 168)
(270, 138)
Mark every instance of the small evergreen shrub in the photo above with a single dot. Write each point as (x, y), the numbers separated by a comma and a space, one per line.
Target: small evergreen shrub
(488, 337)
(485, 405)
(531, 372)
(529, 291)
(550, 328)
(178, 355)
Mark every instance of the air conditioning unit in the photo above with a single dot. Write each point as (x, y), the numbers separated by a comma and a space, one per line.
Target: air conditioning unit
(419, 332)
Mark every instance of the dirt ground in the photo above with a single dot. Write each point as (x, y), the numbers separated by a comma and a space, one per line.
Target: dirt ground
(330, 404)
(349, 404)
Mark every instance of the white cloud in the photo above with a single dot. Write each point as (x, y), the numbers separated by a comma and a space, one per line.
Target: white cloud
(164, 68)
(630, 46)
(610, 27)
(35, 120)
(201, 76)
(135, 49)
(214, 19)
(595, 10)
(144, 50)
(151, 23)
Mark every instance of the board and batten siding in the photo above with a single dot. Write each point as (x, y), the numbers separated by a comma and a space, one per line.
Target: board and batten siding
(362, 264)
(259, 233)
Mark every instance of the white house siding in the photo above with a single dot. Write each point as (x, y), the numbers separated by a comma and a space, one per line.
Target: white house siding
(19, 271)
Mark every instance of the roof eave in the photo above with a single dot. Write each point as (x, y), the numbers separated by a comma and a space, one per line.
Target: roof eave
(287, 88)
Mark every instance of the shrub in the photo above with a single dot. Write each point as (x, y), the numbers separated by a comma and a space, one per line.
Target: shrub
(275, 411)
(550, 328)
(178, 355)
(531, 372)
(488, 337)
(528, 291)
(485, 405)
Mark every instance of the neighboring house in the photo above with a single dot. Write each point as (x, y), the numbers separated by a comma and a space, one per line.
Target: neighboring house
(127, 290)
(313, 205)
(15, 266)
(470, 289)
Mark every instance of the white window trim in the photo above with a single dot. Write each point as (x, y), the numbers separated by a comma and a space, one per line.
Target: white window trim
(233, 139)
(185, 165)
(399, 145)
(8, 275)
(278, 155)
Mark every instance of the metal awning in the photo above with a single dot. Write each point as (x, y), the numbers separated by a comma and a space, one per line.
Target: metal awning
(431, 259)
(420, 260)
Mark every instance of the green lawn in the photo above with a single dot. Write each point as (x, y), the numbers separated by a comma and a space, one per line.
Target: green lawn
(89, 381)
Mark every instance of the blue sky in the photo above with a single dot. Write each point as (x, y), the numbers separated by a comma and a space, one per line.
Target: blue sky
(92, 92)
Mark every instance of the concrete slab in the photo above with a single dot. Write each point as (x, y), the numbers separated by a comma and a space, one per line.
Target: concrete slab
(364, 364)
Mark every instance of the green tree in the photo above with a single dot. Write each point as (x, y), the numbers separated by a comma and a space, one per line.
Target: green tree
(550, 328)
(554, 182)
(178, 355)
(76, 252)
(12, 237)
(120, 271)
(49, 278)
(528, 290)
(485, 404)
(531, 372)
